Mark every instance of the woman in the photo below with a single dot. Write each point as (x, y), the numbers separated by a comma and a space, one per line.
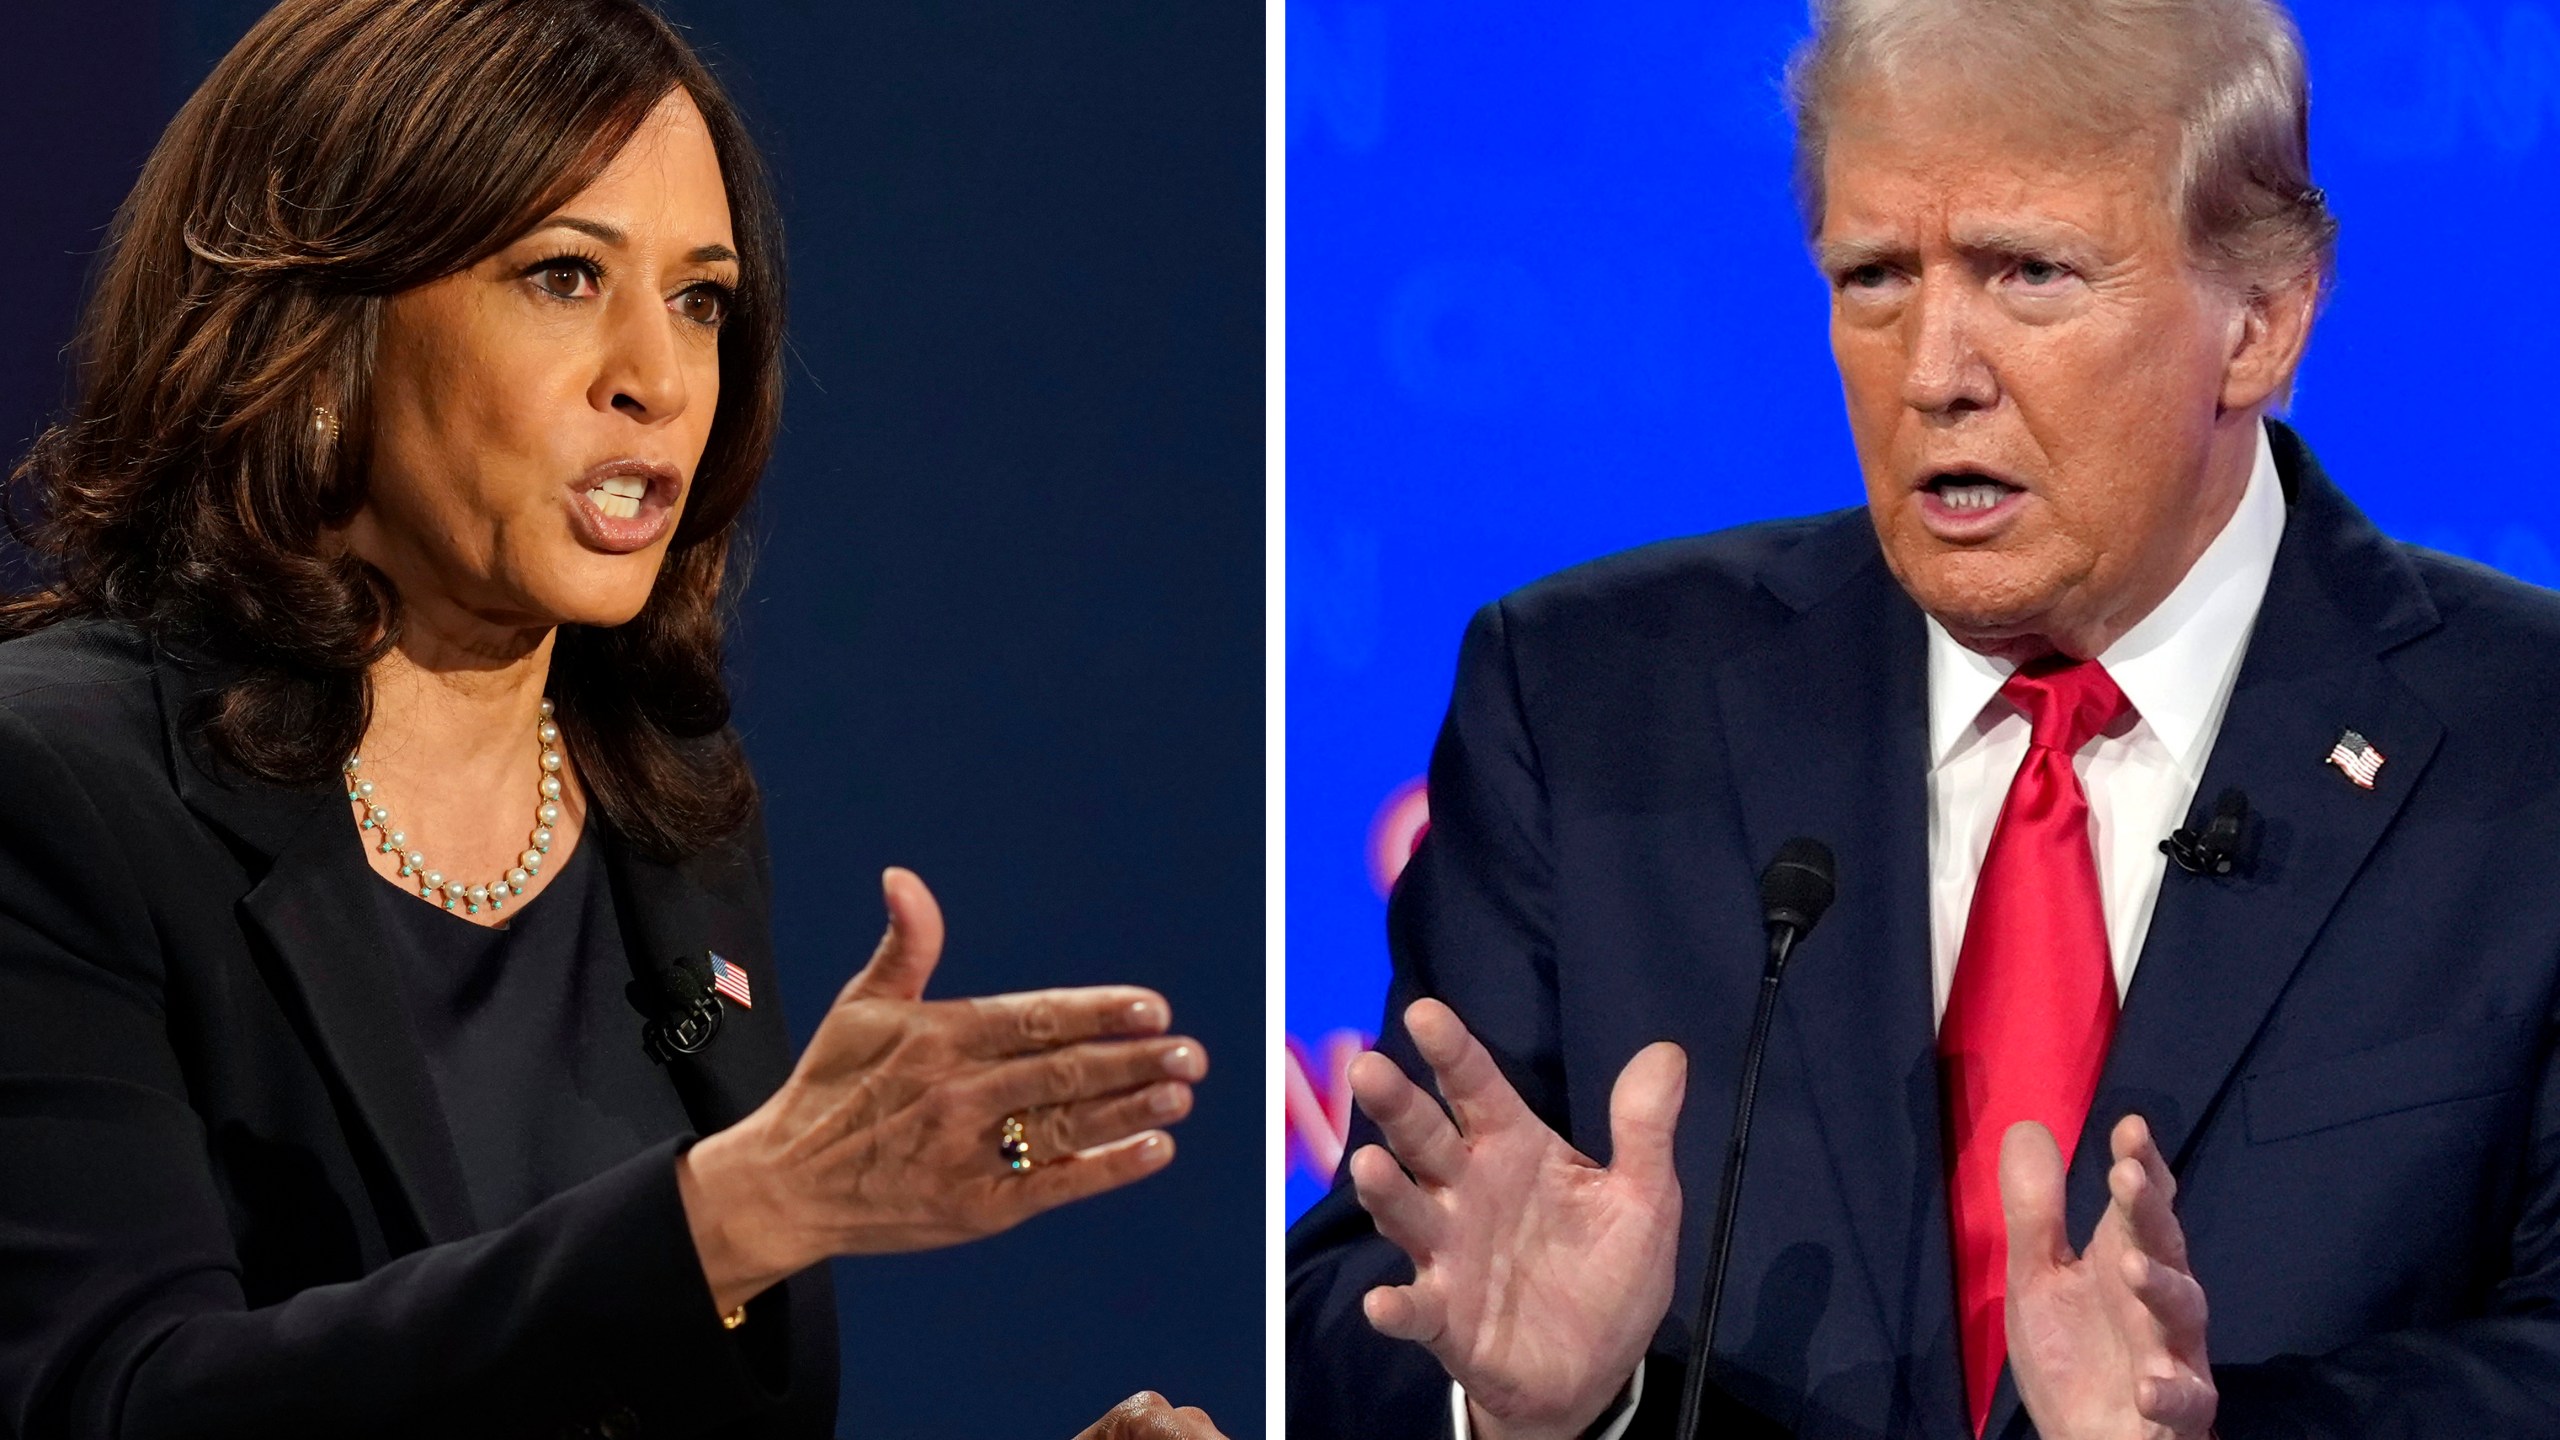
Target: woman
(382, 897)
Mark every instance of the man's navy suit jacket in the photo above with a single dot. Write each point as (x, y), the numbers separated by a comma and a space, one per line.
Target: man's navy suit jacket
(2344, 1050)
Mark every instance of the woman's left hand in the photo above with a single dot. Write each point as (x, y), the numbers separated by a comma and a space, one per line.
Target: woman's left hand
(911, 1123)
(1149, 1416)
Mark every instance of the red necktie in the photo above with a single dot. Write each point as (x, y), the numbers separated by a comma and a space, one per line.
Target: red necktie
(2034, 1000)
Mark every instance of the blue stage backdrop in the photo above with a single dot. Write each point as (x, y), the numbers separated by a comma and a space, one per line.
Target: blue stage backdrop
(1548, 298)
(1007, 614)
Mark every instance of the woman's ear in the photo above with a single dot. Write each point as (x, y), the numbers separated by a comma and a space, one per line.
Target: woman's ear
(322, 437)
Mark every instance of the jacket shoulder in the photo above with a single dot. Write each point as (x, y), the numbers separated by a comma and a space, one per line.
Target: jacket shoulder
(2480, 605)
(87, 688)
(1701, 596)
(2487, 669)
(73, 653)
(737, 868)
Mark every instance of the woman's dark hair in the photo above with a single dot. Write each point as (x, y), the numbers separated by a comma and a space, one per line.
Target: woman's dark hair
(343, 151)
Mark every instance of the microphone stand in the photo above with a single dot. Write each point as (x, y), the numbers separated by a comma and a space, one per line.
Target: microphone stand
(1782, 943)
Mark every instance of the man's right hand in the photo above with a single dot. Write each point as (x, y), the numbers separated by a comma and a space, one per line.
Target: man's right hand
(1539, 1276)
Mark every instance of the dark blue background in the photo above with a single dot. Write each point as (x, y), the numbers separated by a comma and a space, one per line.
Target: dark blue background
(1548, 298)
(1006, 623)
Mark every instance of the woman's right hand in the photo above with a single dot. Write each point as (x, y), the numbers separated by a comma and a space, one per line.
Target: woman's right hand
(885, 1138)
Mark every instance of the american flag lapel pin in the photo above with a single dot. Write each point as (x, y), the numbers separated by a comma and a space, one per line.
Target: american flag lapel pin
(731, 980)
(2356, 758)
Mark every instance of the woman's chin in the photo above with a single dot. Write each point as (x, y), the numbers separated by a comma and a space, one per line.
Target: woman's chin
(597, 591)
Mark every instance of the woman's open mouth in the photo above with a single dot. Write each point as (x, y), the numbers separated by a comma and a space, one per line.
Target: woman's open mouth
(619, 497)
(624, 505)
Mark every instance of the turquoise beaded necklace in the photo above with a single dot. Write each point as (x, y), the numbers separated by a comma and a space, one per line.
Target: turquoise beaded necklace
(432, 884)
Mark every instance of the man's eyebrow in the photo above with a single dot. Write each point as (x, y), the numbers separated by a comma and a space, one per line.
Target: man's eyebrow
(613, 235)
(1838, 257)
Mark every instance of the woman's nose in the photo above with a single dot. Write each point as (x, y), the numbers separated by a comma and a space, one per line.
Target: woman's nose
(642, 374)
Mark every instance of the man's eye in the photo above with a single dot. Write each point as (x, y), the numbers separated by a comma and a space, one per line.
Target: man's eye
(2041, 273)
(1865, 277)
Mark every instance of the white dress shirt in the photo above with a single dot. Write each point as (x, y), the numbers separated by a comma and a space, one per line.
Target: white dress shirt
(2176, 666)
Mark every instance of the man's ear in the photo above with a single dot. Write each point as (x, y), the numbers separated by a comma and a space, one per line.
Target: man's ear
(2269, 331)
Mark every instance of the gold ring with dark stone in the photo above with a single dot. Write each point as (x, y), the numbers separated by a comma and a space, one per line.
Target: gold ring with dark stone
(1014, 1145)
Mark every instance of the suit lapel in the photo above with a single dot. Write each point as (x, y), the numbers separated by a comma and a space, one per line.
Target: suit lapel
(2221, 950)
(666, 917)
(314, 910)
(1828, 726)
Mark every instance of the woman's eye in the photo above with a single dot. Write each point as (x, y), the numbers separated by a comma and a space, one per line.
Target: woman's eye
(704, 305)
(565, 279)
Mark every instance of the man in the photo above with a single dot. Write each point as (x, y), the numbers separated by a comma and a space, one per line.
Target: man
(2312, 1129)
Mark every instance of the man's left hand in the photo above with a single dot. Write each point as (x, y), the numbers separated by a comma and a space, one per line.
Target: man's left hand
(2107, 1345)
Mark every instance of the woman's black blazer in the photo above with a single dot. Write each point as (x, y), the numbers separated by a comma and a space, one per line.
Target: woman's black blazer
(228, 1203)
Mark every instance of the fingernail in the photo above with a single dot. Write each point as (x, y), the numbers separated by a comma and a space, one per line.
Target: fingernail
(1165, 1099)
(1182, 1062)
(1154, 1149)
(1146, 1015)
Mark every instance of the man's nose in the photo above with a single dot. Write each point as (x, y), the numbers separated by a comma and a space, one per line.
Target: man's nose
(1944, 372)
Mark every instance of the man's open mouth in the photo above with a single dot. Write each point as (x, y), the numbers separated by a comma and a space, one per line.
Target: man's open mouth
(1968, 491)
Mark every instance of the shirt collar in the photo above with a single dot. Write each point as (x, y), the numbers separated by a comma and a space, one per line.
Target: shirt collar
(2175, 665)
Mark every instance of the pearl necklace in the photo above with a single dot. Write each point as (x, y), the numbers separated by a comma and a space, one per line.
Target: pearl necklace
(431, 883)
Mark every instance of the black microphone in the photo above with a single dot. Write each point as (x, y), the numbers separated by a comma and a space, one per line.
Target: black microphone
(2221, 847)
(683, 1012)
(1794, 891)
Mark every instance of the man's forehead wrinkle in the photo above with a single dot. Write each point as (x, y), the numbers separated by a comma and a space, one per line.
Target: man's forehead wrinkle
(2015, 234)
(1989, 201)
(1853, 237)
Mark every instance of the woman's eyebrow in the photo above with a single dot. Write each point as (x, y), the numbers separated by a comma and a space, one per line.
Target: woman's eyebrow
(609, 234)
(613, 235)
